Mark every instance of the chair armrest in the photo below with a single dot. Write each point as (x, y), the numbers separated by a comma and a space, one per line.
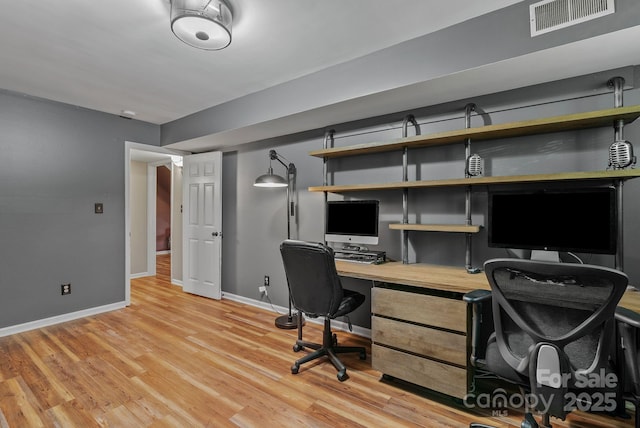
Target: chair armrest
(628, 328)
(481, 322)
(477, 296)
(628, 317)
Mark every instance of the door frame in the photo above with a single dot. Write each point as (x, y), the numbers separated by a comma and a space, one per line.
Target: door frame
(128, 147)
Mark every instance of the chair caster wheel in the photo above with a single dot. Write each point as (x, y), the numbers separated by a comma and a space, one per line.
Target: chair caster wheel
(294, 369)
(363, 355)
(529, 421)
(342, 375)
(297, 348)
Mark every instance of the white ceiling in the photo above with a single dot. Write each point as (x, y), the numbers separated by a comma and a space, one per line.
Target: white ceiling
(120, 55)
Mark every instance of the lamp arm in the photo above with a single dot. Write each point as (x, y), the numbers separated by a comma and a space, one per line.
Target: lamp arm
(291, 168)
(283, 164)
(291, 178)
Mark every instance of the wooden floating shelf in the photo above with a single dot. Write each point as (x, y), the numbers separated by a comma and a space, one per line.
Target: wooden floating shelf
(568, 122)
(456, 228)
(477, 181)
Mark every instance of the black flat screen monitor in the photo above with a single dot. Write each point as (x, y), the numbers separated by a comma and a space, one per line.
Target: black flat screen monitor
(352, 222)
(576, 220)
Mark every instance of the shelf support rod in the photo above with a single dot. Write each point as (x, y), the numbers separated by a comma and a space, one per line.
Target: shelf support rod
(617, 84)
(328, 137)
(405, 192)
(468, 109)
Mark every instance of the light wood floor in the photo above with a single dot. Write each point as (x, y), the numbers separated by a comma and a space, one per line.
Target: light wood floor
(174, 359)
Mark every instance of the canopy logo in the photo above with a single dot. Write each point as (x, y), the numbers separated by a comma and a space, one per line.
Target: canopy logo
(499, 401)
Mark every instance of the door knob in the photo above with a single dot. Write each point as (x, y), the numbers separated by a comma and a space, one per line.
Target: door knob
(216, 234)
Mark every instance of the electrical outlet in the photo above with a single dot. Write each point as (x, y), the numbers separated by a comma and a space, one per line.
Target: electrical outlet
(263, 290)
(65, 289)
(266, 280)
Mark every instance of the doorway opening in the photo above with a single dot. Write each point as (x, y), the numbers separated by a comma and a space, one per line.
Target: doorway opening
(145, 166)
(163, 209)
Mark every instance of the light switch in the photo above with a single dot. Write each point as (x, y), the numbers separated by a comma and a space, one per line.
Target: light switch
(99, 208)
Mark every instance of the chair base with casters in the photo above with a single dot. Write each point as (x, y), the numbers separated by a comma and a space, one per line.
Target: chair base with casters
(329, 348)
(528, 422)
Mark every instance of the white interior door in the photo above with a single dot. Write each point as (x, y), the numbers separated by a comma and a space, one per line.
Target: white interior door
(202, 224)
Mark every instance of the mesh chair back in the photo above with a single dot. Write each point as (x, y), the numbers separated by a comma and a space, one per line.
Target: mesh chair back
(314, 284)
(569, 305)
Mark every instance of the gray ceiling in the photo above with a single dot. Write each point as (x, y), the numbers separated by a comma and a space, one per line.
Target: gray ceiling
(120, 55)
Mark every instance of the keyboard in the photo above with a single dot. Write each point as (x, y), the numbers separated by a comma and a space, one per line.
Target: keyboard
(355, 258)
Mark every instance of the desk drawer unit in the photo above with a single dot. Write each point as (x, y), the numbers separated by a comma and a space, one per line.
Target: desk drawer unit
(421, 339)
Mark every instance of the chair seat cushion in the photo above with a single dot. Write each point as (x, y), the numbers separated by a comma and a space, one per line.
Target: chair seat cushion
(350, 301)
(494, 363)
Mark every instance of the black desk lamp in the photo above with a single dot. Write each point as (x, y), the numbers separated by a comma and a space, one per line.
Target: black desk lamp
(272, 180)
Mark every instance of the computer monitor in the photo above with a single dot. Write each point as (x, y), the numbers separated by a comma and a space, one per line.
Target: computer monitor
(352, 222)
(570, 220)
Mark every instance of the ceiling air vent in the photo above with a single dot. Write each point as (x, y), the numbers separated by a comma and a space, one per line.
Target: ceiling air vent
(551, 15)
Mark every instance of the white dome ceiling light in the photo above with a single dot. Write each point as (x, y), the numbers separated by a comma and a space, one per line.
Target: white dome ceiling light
(203, 24)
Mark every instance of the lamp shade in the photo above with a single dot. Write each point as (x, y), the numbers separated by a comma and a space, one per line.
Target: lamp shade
(203, 24)
(270, 180)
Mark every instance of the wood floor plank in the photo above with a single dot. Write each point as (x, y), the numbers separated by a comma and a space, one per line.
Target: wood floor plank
(17, 406)
(69, 414)
(144, 411)
(3, 420)
(172, 359)
(169, 407)
(49, 390)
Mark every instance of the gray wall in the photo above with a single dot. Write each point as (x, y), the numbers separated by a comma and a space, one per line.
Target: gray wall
(60, 160)
(57, 161)
(255, 219)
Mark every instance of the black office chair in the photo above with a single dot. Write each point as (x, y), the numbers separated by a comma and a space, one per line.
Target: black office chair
(628, 323)
(553, 335)
(316, 291)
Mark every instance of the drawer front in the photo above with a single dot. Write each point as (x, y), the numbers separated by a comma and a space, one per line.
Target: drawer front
(442, 345)
(420, 308)
(430, 374)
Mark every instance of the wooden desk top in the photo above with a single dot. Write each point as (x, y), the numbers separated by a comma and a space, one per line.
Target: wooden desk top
(444, 278)
(631, 300)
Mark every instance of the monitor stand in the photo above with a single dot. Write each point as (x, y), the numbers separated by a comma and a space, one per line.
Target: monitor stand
(545, 256)
(351, 247)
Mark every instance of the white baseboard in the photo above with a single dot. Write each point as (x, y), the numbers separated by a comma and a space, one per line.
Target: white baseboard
(138, 275)
(161, 252)
(32, 325)
(176, 282)
(335, 324)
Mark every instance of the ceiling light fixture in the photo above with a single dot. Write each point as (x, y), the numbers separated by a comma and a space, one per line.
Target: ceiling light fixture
(203, 24)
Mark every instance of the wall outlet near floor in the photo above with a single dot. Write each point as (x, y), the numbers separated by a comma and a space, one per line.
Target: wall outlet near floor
(266, 280)
(65, 289)
(263, 290)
